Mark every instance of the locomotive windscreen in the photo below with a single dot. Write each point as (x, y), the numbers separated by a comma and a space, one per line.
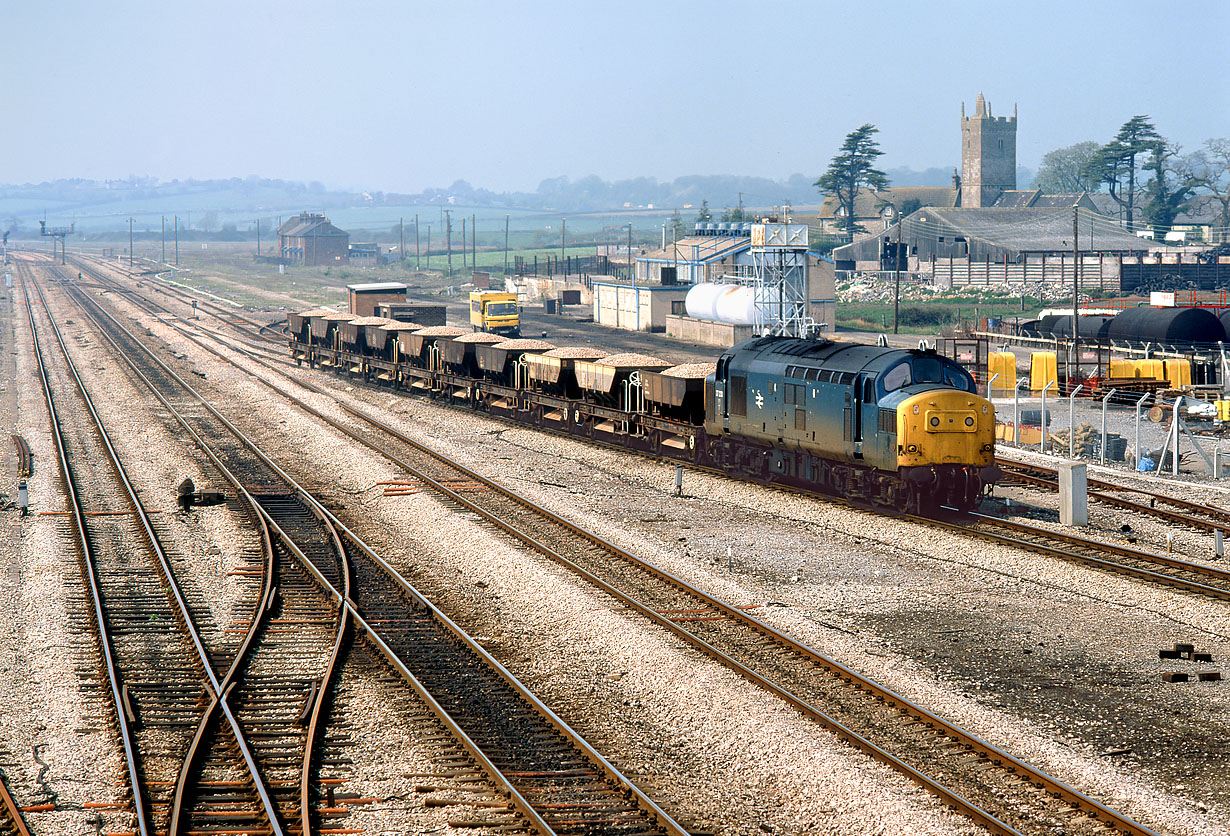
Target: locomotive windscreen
(927, 370)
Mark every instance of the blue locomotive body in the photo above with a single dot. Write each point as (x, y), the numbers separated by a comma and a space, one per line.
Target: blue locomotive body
(903, 428)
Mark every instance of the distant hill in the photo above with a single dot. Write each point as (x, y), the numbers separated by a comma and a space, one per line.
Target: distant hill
(231, 207)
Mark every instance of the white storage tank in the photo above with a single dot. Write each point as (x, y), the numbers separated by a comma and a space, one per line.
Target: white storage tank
(737, 306)
(701, 301)
(730, 303)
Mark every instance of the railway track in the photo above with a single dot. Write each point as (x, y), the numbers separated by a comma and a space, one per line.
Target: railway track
(155, 659)
(25, 459)
(1000, 792)
(12, 822)
(1196, 515)
(555, 782)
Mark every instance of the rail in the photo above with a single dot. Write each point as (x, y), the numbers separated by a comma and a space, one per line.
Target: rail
(378, 637)
(217, 691)
(973, 742)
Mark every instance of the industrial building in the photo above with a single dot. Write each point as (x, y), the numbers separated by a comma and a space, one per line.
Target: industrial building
(712, 251)
(310, 240)
(762, 273)
(365, 297)
(986, 246)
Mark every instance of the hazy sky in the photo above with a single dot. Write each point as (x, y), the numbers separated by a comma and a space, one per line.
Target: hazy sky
(399, 96)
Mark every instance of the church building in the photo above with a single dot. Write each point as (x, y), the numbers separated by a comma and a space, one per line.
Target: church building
(988, 155)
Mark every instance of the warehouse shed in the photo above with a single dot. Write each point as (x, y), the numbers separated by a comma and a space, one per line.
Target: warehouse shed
(994, 234)
(365, 297)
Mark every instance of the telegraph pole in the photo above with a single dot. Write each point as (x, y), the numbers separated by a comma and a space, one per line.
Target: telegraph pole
(416, 242)
(164, 239)
(505, 244)
(473, 242)
(631, 265)
(448, 214)
(563, 243)
(897, 278)
(401, 240)
(258, 237)
(464, 249)
(428, 246)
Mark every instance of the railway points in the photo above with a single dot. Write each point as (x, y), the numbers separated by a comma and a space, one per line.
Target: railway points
(241, 340)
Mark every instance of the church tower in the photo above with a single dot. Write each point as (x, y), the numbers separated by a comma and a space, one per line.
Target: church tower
(988, 155)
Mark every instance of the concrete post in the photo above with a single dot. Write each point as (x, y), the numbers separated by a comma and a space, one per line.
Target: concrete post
(1073, 494)
(1109, 395)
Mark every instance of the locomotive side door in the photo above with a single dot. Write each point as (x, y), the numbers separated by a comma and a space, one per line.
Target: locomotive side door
(861, 411)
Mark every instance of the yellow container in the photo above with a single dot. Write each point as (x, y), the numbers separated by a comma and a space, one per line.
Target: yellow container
(1002, 363)
(1043, 369)
(1151, 369)
(1223, 410)
(1178, 373)
(1121, 369)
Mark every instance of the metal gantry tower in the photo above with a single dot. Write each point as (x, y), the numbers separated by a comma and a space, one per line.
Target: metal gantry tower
(778, 279)
(57, 233)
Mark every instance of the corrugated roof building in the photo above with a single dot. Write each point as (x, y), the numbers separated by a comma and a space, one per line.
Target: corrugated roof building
(997, 234)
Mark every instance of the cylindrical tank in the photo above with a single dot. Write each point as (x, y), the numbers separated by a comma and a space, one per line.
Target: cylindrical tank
(1052, 325)
(1170, 326)
(737, 306)
(701, 301)
(1092, 326)
(1224, 316)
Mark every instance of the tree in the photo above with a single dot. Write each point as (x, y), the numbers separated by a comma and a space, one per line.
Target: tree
(1115, 163)
(1209, 171)
(676, 223)
(1162, 202)
(1066, 170)
(852, 170)
(704, 215)
(910, 206)
(736, 215)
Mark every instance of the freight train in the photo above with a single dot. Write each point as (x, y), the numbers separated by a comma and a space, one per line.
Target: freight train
(900, 429)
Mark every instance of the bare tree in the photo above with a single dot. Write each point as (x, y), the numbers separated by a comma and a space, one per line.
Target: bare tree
(1168, 192)
(1066, 170)
(1208, 170)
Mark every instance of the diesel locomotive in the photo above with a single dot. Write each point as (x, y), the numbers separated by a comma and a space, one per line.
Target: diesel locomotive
(901, 429)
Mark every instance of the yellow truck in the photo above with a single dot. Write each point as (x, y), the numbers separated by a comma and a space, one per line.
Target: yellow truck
(495, 312)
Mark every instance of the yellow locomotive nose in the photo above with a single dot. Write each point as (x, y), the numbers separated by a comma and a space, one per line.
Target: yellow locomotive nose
(945, 427)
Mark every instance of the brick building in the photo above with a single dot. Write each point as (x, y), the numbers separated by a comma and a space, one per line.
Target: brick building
(310, 240)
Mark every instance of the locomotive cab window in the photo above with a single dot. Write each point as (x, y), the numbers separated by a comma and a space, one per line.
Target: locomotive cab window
(936, 370)
(898, 376)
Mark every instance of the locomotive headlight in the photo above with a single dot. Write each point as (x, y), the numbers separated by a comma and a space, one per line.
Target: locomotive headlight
(915, 409)
(969, 422)
(984, 409)
(935, 422)
(913, 448)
